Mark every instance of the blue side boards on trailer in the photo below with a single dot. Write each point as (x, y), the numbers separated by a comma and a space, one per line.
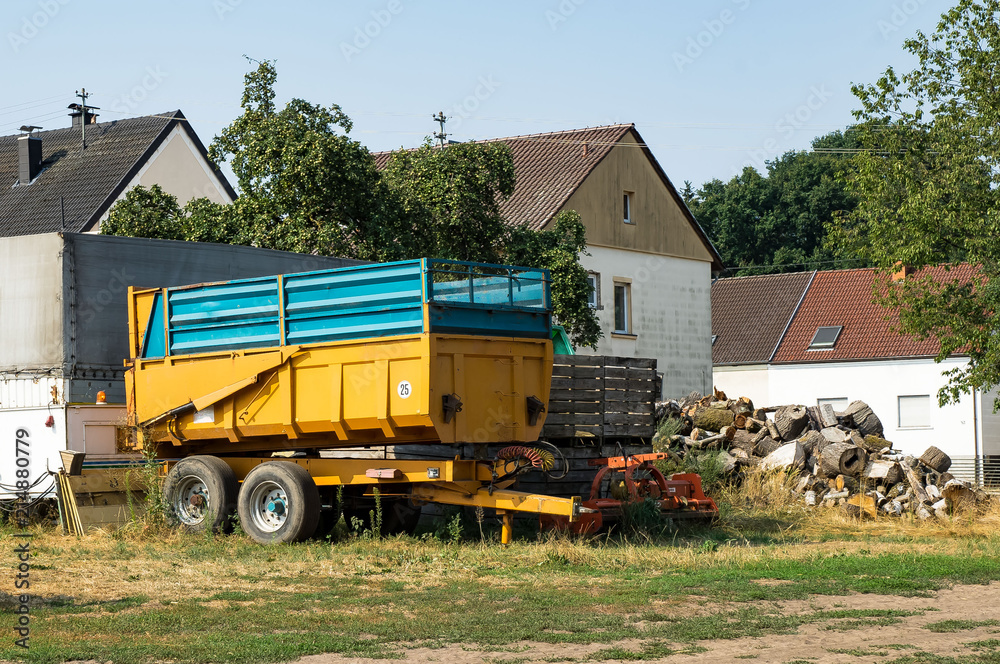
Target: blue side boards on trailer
(356, 302)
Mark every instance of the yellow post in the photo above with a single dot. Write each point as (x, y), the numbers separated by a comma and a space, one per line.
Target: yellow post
(507, 526)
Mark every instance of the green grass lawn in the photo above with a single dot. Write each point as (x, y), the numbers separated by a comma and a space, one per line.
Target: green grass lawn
(186, 598)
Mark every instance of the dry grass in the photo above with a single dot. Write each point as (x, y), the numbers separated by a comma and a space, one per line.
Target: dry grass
(168, 564)
(138, 585)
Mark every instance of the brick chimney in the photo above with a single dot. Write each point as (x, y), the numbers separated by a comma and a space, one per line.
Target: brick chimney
(902, 271)
(29, 158)
(82, 115)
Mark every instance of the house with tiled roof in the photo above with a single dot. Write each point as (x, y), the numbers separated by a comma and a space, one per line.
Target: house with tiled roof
(650, 261)
(836, 345)
(67, 179)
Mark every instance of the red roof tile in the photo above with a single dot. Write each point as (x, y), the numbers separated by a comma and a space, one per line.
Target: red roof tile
(549, 167)
(749, 315)
(844, 298)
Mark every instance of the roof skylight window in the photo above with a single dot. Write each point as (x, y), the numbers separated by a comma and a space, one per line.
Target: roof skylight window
(825, 337)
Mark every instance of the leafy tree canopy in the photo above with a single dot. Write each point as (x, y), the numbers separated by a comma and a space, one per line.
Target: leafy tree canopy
(776, 222)
(456, 193)
(927, 185)
(305, 186)
(559, 249)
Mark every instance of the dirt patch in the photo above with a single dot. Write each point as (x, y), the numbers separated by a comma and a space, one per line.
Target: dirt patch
(813, 643)
(772, 582)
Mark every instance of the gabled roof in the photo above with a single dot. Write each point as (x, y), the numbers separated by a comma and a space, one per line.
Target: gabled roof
(76, 187)
(844, 298)
(751, 314)
(550, 167)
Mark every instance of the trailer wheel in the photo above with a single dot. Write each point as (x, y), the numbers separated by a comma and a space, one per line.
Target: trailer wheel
(200, 494)
(279, 503)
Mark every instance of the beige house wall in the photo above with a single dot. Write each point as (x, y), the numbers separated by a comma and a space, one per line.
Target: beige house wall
(659, 225)
(662, 259)
(178, 167)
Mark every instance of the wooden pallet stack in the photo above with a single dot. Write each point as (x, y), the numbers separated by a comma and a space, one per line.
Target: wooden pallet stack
(601, 397)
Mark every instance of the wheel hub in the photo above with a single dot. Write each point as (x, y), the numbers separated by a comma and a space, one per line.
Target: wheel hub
(268, 506)
(192, 500)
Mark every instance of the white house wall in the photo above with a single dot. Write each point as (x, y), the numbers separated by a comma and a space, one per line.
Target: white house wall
(178, 167)
(880, 384)
(989, 424)
(671, 314)
(749, 381)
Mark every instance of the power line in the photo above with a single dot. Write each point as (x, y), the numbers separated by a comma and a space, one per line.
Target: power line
(34, 119)
(838, 261)
(37, 102)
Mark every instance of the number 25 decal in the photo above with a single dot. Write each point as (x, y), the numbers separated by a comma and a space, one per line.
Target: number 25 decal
(404, 389)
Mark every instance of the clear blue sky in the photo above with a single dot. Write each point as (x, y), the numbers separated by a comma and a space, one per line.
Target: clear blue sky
(712, 86)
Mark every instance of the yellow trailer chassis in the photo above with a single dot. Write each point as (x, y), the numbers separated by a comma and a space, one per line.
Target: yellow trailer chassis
(222, 378)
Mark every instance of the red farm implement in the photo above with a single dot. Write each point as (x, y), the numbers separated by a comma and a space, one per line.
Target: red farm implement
(633, 479)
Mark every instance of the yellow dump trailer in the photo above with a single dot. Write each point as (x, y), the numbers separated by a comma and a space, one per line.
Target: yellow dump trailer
(224, 375)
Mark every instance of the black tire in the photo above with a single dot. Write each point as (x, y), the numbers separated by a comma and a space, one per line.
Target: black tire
(200, 494)
(399, 515)
(279, 503)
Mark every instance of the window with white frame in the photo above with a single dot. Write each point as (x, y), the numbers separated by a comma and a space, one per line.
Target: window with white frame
(627, 205)
(838, 403)
(594, 296)
(623, 307)
(915, 411)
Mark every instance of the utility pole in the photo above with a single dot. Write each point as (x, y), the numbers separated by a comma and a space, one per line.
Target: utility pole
(440, 135)
(84, 109)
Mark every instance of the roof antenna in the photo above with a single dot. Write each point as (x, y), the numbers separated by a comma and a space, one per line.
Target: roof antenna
(84, 112)
(440, 118)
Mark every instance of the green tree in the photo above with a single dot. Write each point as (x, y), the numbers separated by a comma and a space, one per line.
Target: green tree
(927, 183)
(146, 212)
(456, 192)
(305, 185)
(559, 250)
(776, 222)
